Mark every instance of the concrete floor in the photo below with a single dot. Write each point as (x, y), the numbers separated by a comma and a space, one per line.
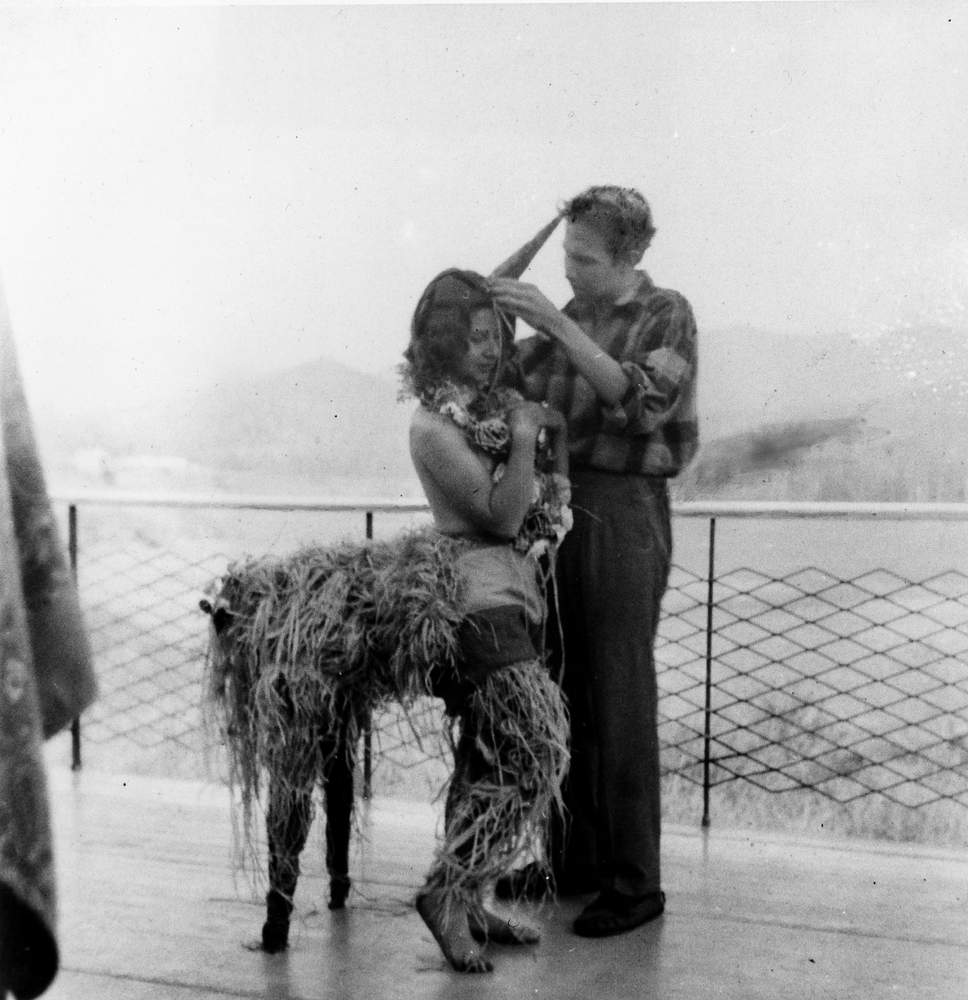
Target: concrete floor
(151, 909)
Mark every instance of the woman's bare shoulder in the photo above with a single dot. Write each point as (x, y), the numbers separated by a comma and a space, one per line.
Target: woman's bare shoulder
(427, 427)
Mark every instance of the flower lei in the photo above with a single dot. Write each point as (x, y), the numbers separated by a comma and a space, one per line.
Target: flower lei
(484, 421)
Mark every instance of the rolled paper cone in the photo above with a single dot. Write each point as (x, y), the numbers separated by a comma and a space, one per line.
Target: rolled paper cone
(516, 264)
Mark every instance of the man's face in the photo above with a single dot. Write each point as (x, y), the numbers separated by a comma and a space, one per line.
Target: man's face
(590, 268)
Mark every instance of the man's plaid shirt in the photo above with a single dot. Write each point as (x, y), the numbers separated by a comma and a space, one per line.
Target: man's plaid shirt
(653, 430)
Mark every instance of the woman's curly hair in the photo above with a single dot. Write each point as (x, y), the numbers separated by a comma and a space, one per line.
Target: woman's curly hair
(440, 329)
(621, 215)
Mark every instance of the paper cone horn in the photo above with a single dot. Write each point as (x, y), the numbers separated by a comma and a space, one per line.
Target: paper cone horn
(515, 265)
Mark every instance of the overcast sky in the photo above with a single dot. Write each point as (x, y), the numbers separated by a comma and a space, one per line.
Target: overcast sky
(188, 193)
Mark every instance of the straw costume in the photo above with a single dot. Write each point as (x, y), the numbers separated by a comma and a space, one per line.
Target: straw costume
(305, 646)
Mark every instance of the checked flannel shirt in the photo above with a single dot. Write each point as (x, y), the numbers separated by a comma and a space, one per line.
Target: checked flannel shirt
(653, 430)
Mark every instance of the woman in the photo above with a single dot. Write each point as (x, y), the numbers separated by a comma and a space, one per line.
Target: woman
(493, 467)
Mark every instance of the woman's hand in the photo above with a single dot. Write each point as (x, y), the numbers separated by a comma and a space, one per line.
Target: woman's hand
(528, 418)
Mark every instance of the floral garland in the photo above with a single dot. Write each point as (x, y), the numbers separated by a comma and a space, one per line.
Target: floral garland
(484, 421)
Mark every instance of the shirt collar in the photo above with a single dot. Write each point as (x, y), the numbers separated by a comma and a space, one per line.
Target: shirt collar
(634, 298)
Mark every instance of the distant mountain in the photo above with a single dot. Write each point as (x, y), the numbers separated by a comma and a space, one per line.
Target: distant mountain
(318, 425)
(751, 377)
(822, 417)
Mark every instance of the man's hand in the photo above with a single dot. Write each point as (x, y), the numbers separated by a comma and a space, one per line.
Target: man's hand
(603, 373)
(529, 303)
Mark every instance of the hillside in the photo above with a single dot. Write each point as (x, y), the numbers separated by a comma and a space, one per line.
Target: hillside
(318, 427)
(824, 417)
(884, 417)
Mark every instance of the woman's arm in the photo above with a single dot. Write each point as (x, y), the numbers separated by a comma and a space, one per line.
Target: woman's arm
(464, 482)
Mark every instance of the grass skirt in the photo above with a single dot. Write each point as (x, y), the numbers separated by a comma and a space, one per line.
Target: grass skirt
(511, 756)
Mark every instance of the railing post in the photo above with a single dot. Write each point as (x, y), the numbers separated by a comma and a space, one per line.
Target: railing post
(368, 721)
(707, 724)
(72, 556)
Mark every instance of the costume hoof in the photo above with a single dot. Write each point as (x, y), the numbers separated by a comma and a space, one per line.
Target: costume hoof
(275, 937)
(339, 889)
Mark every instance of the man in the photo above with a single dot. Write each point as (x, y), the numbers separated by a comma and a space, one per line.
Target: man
(620, 361)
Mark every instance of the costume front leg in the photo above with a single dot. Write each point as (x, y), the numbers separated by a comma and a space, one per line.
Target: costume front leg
(339, 755)
(288, 820)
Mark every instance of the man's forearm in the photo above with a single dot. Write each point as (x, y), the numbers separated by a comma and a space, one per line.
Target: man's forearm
(602, 372)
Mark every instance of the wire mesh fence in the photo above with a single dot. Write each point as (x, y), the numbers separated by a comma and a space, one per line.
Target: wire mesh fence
(851, 686)
(149, 641)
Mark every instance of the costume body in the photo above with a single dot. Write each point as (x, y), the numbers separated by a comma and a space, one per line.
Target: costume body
(313, 642)
(612, 571)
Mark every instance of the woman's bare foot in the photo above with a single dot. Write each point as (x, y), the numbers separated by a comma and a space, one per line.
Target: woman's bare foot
(451, 930)
(487, 926)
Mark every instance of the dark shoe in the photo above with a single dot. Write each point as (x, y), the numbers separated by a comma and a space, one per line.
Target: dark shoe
(615, 913)
(275, 937)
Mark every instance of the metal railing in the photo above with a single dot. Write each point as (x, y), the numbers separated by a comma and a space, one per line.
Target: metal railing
(852, 685)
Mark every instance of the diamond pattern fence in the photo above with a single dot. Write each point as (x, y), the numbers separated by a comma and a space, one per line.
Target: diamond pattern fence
(850, 687)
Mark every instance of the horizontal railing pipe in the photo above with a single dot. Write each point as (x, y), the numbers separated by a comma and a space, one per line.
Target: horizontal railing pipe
(230, 501)
(760, 509)
(689, 508)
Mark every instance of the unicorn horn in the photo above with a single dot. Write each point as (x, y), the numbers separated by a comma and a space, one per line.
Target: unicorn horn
(515, 265)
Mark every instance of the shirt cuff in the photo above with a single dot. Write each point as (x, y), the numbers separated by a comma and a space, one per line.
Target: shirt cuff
(617, 417)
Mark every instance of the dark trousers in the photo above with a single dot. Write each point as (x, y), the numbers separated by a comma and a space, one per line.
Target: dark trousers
(612, 571)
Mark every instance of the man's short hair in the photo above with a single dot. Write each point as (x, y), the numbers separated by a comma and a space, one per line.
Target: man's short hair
(620, 214)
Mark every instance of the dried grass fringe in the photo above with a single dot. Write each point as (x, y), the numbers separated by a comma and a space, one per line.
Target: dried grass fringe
(520, 727)
(327, 635)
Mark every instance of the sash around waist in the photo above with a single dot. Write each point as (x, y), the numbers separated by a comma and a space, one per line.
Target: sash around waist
(496, 575)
